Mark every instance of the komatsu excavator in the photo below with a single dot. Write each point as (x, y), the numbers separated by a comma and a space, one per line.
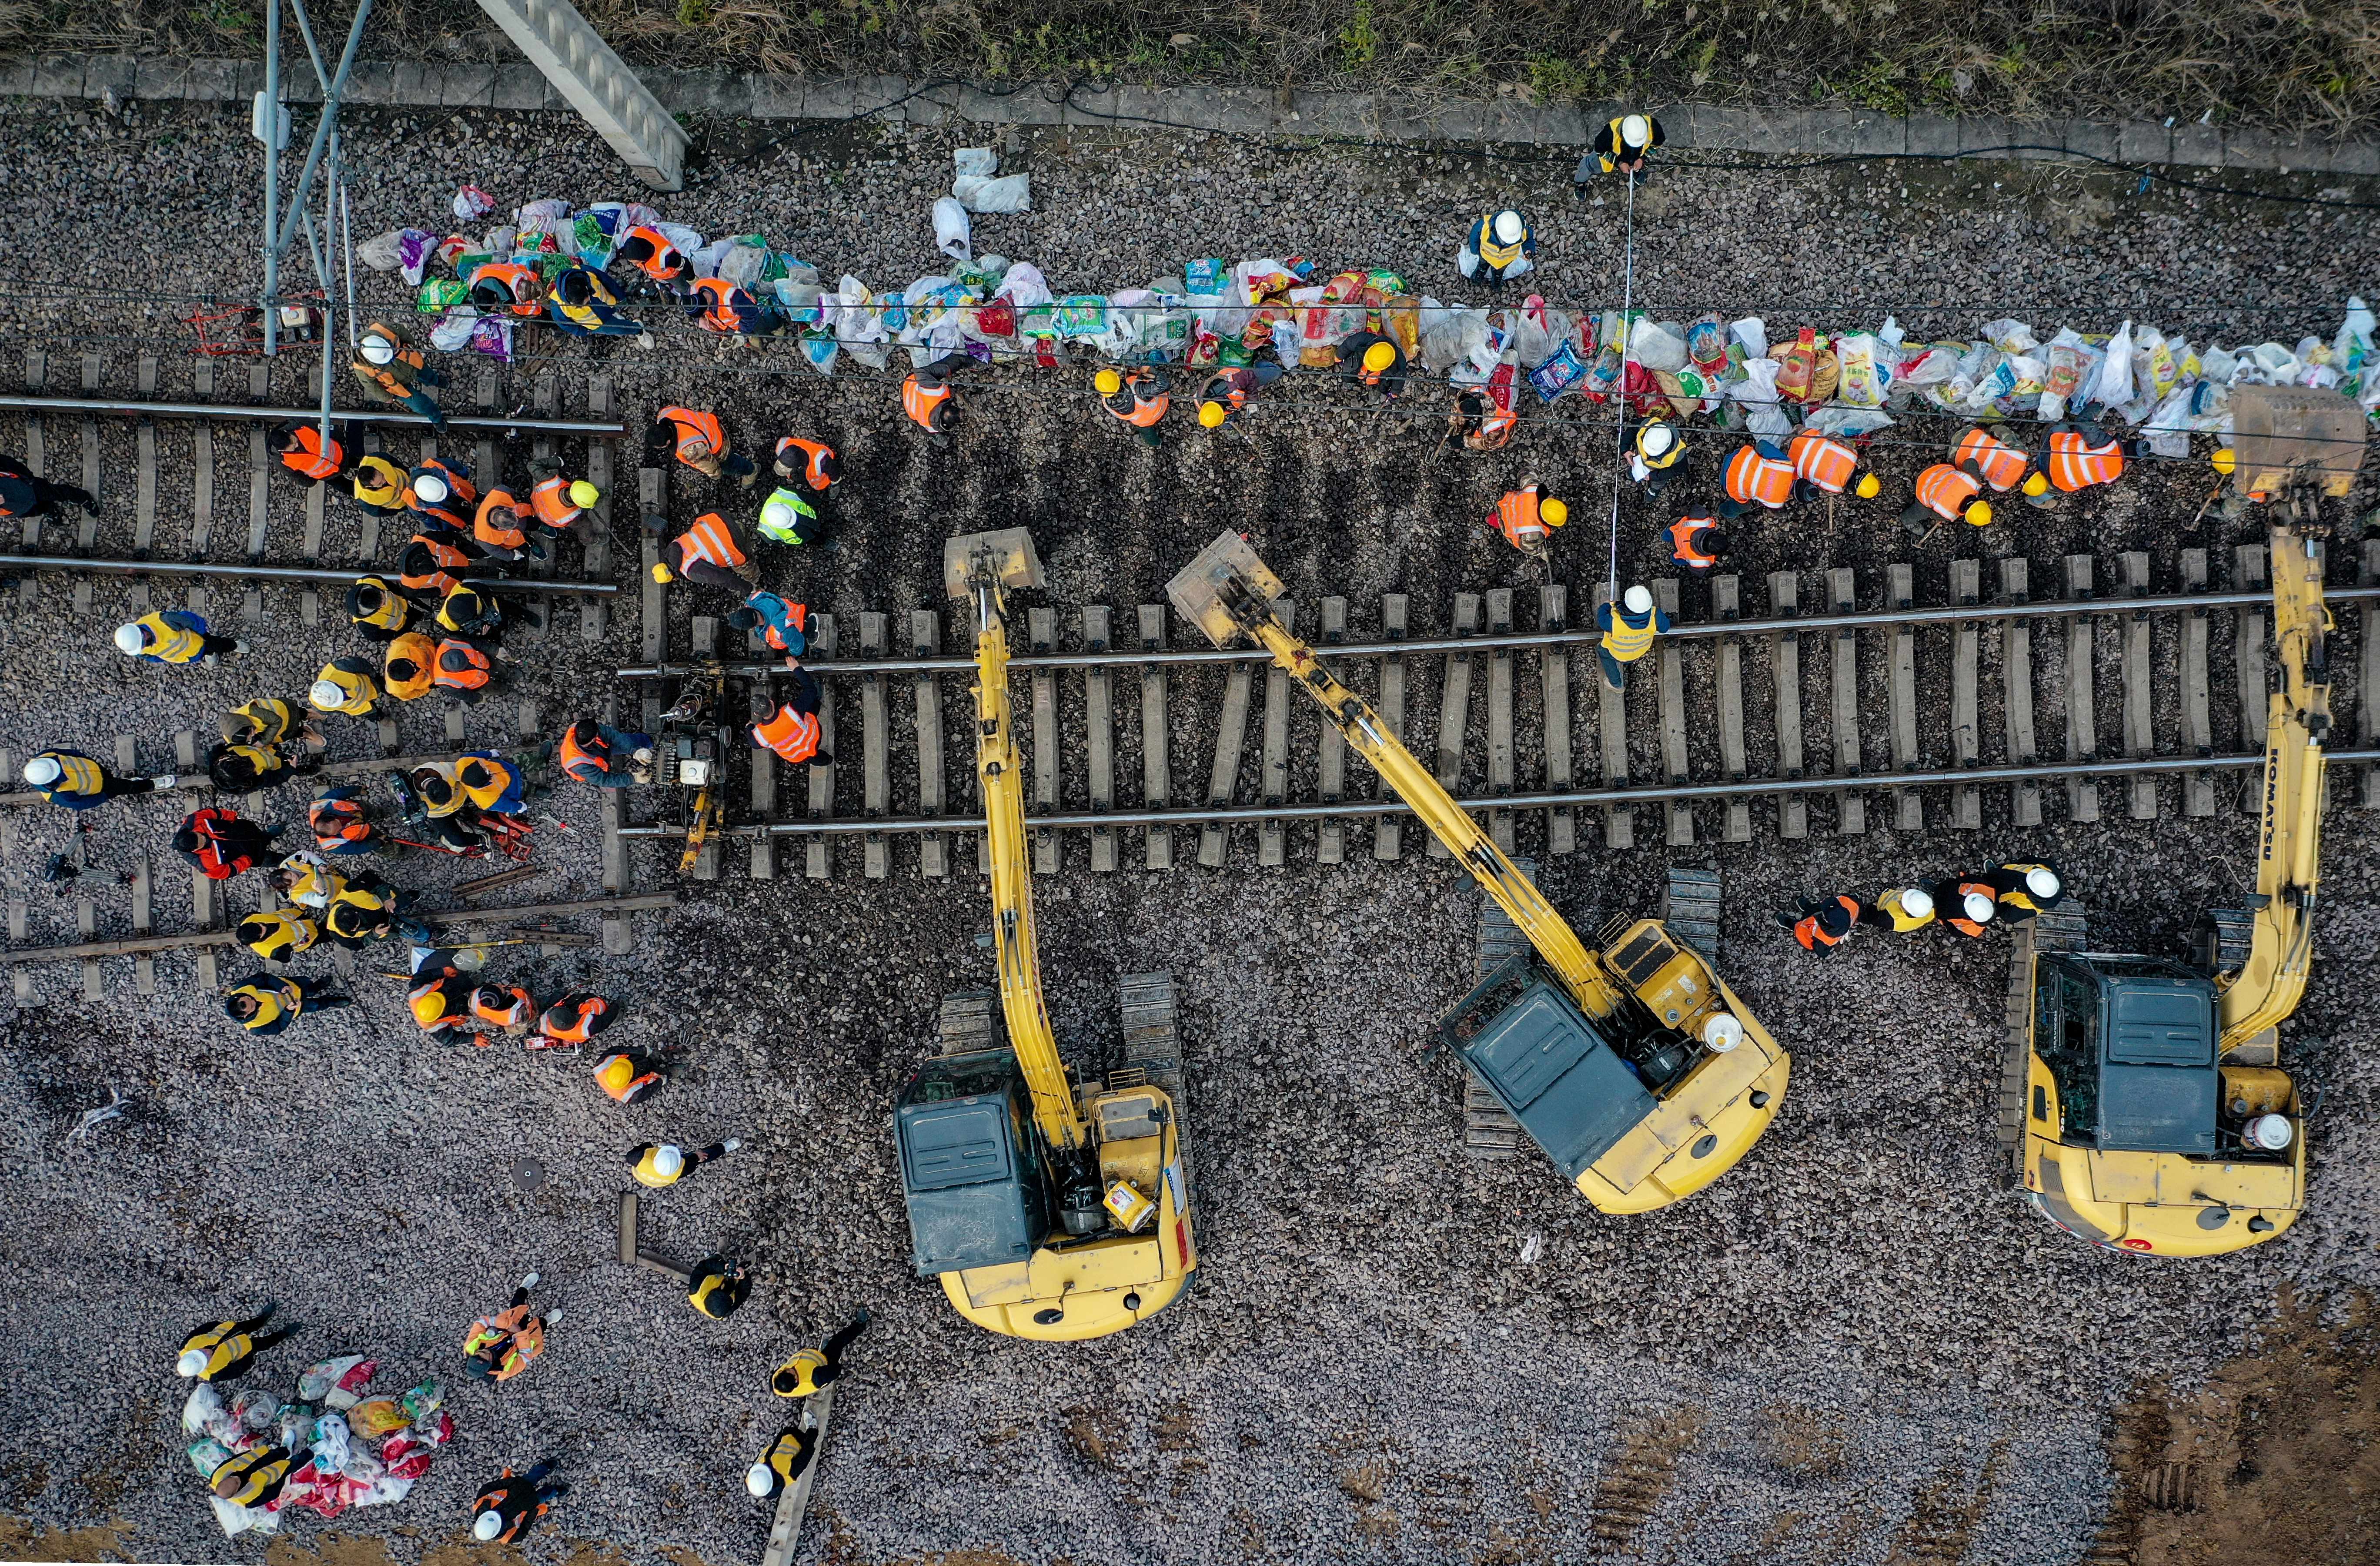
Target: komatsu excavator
(1629, 1063)
(1046, 1212)
(2155, 1115)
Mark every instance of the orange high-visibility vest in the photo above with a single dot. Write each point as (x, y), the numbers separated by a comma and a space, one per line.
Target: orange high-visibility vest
(499, 521)
(2002, 464)
(694, 429)
(710, 540)
(617, 1076)
(720, 314)
(510, 276)
(313, 459)
(1682, 533)
(793, 735)
(1960, 922)
(922, 403)
(516, 1006)
(1827, 463)
(1945, 491)
(1753, 478)
(1145, 411)
(551, 502)
(461, 666)
(665, 262)
(2076, 464)
(1516, 518)
(1495, 427)
(818, 454)
(574, 1018)
(1812, 935)
(437, 1002)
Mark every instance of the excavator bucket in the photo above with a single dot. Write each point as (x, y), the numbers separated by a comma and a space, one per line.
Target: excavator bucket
(1197, 589)
(1005, 554)
(2288, 435)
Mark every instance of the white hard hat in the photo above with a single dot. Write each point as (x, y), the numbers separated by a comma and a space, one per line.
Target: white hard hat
(129, 639)
(1916, 902)
(487, 1526)
(1979, 907)
(1636, 129)
(2271, 1133)
(756, 1481)
(1658, 437)
(668, 1159)
(1509, 228)
(778, 511)
(1723, 1031)
(325, 694)
(2041, 882)
(376, 349)
(42, 770)
(1638, 599)
(430, 487)
(192, 1362)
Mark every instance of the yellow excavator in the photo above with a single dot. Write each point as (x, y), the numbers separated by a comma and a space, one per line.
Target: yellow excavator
(1629, 1063)
(2155, 1115)
(1047, 1211)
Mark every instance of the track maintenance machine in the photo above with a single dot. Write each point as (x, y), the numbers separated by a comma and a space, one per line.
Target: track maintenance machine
(1629, 1063)
(1047, 1211)
(2154, 1114)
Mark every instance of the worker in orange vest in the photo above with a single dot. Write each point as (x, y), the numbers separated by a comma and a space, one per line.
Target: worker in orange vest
(1827, 466)
(2077, 458)
(627, 1077)
(1996, 461)
(792, 731)
(309, 454)
(459, 667)
(1819, 926)
(1946, 493)
(500, 1346)
(390, 371)
(714, 552)
(572, 1021)
(442, 492)
(926, 397)
(499, 527)
(1139, 401)
(556, 500)
(1696, 543)
(1965, 905)
(1759, 474)
(717, 304)
(698, 440)
(508, 285)
(1227, 392)
(651, 252)
(811, 462)
(1527, 518)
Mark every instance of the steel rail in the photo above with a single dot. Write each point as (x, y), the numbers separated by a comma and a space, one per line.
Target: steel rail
(275, 573)
(228, 412)
(860, 826)
(1581, 636)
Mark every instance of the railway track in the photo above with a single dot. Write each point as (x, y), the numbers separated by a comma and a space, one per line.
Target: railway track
(1814, 714)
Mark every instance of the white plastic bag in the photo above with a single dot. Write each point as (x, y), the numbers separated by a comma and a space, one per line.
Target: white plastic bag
(742, 264)
(1846, 423)
(1659, 346)
(2113, 386)
(950, 229)
(1012, 193)
(203, 1406)
(1449, 334)
(454, 329)
(2009, 336)
(1752, 332)
(980, 161)
(236, 1519)
(1023, 285)
(382, 252)
(471, 204)
(1757, 392)
(2168, 429)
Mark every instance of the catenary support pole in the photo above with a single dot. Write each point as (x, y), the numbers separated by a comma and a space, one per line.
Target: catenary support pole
(267, 121)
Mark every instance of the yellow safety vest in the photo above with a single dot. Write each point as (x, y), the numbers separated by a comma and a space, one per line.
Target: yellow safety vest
(1903, 921)
(1627, 643)
(647, 1170)
(77, 774)
(173, 644)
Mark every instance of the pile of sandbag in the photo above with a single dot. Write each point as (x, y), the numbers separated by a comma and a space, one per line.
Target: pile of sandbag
(346, 1446)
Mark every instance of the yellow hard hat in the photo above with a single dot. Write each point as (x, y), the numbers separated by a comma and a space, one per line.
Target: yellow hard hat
(1211, 415)
(2035, 484)
(1379, 357)
(1107, 382)
(2225, 460)
(1980, 513)
(662, 573)
(584, 494)
(1553, 513)
(1867, 488)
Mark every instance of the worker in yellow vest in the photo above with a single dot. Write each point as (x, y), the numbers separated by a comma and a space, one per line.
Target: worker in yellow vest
(810, 1370)
(661, 1165)
(173, 635)
(1899, 909)
(1498, 249)
(1622, 148)
(1628, 632)
(224, 1348)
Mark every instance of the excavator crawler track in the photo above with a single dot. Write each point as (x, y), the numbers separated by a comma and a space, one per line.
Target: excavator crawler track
(1489, 1133)
(1690, 910)
(969, 1021)
(2223, 940)
(1152, 1053)
(2063, 929)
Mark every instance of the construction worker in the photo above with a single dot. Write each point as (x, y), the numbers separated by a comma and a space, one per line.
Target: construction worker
(379, 485)
(378, 612)
(716, 305)
(666, 1164)
(1659, 449)
(364, 910)
(340, 823)
(278, 934)
(265, 1004)
(717, 1286)
(2081, 456)
(2019, 892)
(508, 1506)
(443, 493)
(582, 302)
(1758, 475)
(1498, 249)
(244, 768)
(463, 671)
(500, 1346)
(426, 567)
(393, 374)
(1527, 518)
(1818, 925)
(651, 252)
(1627, 635)
(926, 397)
(1899, 909)
(505, 1008)
(1623, 148)
(224, 1348)
(1484, 418)
(266, 720)
(1137, 400)
(77, 782)
(441, 1004)
(479, 615)
(1946, 493)
(575, 1019)
(440, 803)
(555, 500)
(1964, 906)
(173, 635)
(783, 625)
(1827, 465)
(25, 494)
(500, 527)
(792, 731)
(345, 686)
(1696, 543)
(1375, 361)
(507, 286)
(491, 783)
(626, 1077)
(305, 879)
(590, 752)
(1994, 460)
(811, 462)
(810, 1370)
(306, 452)
(787, 518)
(406, 668)
(1227, 392)
(222, 843)
(254, 1477)
(698, 439)
(714, 552)
(782, 1462)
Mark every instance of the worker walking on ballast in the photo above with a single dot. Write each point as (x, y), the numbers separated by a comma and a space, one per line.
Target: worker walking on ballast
(222, 1349)
(717, 1286)
(501, 1346)
(1820, 925)
(77, 782)
(1902, 910)
(810, 1370)
(927, 397)
(508, 1506)
(1527, 518)
(1498, 249)
(666, 1164)
(173, 636)
(1628, 633)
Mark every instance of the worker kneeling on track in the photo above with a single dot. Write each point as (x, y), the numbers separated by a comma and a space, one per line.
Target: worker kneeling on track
(792, 731)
